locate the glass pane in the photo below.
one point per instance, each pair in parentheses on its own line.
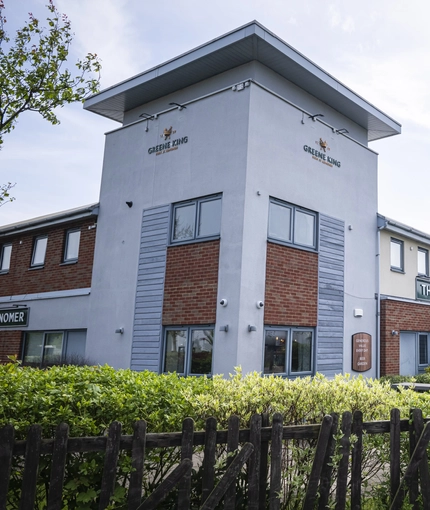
(301,351)
(72,246)
(396,254)
(185,217)
(422,262)
(75,347)
(304,228)
(5,260)
(201,351)
(280,222)
(39,251)
(33,348)
(53,348)
(424,359)
(174,359)
(274,351)
(210,218)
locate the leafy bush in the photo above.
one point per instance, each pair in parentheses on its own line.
(90,398)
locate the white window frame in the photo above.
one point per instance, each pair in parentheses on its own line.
(293,210)
(196,237)
(188,357)
(426,255)
(36,242)
(5,268)
(290,330)
(66,245)
(399,242)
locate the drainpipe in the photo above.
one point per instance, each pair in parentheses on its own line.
(381,223)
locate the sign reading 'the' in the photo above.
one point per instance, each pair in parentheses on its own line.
(361,352)
(12,317)
(422,287)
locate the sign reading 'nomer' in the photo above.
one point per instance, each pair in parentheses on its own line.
(10,317)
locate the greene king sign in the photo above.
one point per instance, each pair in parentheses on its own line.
(12,317)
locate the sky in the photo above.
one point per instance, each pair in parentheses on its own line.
(378,48)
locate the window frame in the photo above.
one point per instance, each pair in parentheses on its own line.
(290,330)
(293,210)
(426,254)
(2,257)
(399,242)
(196,236)
(188,357)
(68,260)
(35,243)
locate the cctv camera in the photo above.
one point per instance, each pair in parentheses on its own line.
(223,302)
(260,304)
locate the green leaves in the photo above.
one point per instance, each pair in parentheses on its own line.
(32,73)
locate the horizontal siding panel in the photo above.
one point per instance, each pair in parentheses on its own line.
(147,330)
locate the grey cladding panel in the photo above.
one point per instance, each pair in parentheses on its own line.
(149,290)
(331,262)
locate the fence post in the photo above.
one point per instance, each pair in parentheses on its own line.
(394,452)
(208,478)
(357,455)
(264,468)
(418,423)
(29,480)
(7,439)
(327,468)
(254,462)
(111,460)
(58,465)
(275,465)
(342,473)
(184,489)
(137,463)
(232,446)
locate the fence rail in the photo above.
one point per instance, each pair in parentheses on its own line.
(259,448)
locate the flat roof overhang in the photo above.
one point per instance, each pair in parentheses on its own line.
(243,45)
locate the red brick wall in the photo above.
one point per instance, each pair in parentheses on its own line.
(291,286)
(190,292)
(10,344)
(53,276)
(399,316)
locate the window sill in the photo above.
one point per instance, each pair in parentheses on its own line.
(397,270)
(34,268)
(4,272)
(194,241)
(69,262)
(291,245)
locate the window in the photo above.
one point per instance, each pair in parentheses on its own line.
(39,251)
(423,262)
(291,224)
(43,348)
(195,220)
(71,248)
(396,251)
(6,252)
(423,349)
(188,350)
(288,351)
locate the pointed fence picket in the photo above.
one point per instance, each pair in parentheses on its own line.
(259,448)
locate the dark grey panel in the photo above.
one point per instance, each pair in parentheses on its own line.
(331,263)
(147,328)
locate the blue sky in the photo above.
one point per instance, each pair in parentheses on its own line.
(378,48)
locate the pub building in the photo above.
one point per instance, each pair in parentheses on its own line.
(237,223)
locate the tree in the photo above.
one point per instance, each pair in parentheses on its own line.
(32,73)
(4,193)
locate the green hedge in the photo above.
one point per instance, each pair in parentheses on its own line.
(90,398)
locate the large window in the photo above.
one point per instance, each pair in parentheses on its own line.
(71,248)
(288,351)
(39,251)
(423,262)
(396,254)
(292,225)
(196,219)
(44,348)
(188,350)
(5,254)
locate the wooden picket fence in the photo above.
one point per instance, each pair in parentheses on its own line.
(260,447)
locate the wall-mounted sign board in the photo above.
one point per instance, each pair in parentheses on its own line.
(361,352)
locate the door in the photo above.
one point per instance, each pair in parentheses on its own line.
(408,354)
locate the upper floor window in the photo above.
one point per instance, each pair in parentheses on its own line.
(196,219)
(188,350)
(288,351)
(396,254)
(292,224)
(71,248)
(39,251)
(423,262)
(6,252)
